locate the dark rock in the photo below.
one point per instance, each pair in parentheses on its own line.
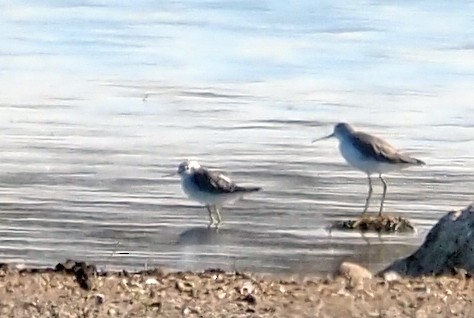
(214,271)
(447,249)
(250,298)
(60,267)
(66,267)
(81,270)
(125,273)
(83,280)
(104,273)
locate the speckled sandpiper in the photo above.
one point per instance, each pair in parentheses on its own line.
(211,188)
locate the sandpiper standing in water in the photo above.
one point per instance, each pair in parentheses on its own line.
(371,155)
(211,188)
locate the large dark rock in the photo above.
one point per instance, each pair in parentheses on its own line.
(81,270)
(448,248)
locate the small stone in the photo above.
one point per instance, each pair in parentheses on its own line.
(354,271)
(461,273)
(99,299)
(184,286)
(111,312)
(124,284)
(221,295)
(392,276)
(422,289)
(69,264)
(186,311)
(151,281)
(247,288)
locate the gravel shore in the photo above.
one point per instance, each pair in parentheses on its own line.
(75,289)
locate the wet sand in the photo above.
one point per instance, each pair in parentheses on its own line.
(78,290)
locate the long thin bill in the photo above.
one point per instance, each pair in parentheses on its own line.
(326,137)
(169,175)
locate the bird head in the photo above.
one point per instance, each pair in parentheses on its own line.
(187,167)
(341,130)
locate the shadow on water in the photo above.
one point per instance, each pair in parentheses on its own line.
(204,235)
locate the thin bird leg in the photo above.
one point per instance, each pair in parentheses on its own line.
(219,219)
(383,195)
(369,195)
(211,217)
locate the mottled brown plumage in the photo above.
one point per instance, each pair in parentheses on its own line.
(375,148)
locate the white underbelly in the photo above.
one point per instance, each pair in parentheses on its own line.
(355,159)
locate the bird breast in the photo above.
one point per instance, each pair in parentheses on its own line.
(355,158)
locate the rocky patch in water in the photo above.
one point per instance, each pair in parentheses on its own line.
(380,224)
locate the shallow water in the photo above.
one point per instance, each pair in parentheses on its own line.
(99,100)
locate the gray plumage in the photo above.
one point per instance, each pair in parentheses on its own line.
(373,147)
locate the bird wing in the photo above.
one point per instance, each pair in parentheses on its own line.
(213,181)
(374,147)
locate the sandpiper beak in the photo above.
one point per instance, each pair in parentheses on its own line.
(169,174)
(327,137)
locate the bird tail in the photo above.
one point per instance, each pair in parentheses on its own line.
(419,162)
(247,189)
(413,161)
